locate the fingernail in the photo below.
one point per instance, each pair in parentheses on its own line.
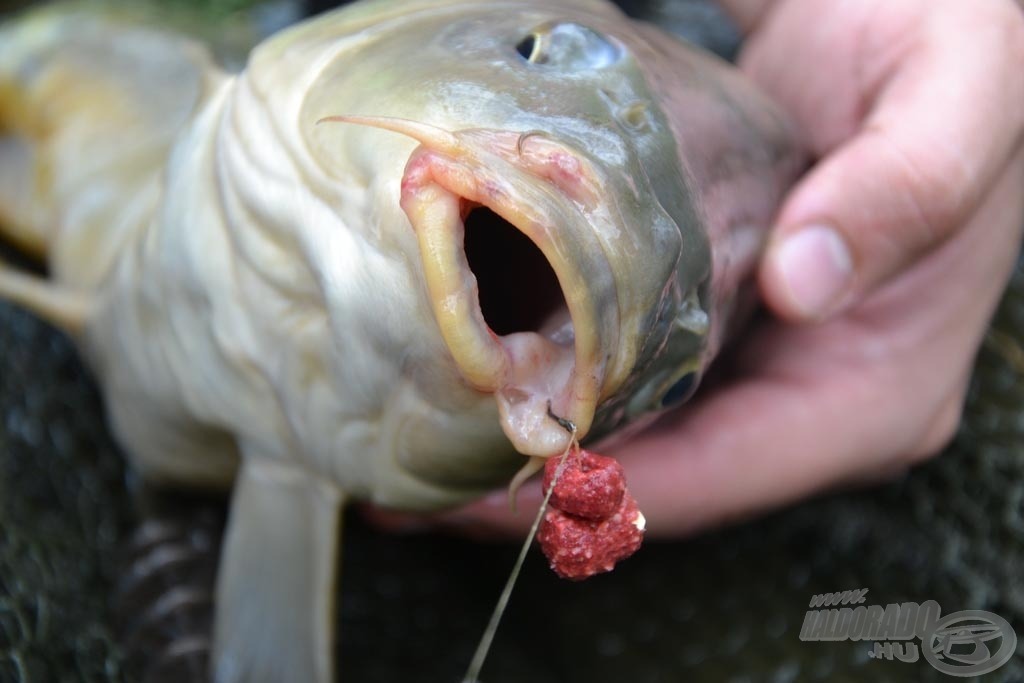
(816,268)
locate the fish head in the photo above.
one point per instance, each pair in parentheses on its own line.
(522,158)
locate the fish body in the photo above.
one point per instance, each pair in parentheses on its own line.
(270,271)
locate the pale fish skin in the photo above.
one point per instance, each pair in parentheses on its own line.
(272,290)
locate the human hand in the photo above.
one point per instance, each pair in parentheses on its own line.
(883,270)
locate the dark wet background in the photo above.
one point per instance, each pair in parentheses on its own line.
(100,584)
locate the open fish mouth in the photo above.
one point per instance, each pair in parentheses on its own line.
(517,277)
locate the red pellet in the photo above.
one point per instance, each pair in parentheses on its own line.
(590,486)
(579,548)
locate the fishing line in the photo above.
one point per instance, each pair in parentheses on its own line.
(477,663)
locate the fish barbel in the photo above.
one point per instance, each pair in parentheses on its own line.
(368,266)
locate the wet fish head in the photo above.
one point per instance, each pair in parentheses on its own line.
(516,157)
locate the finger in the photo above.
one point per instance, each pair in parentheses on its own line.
(487,519)
(944,125)
(749,447)
(852,400)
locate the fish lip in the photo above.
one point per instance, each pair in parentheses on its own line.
(528,372)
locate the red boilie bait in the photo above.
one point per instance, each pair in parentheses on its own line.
(593,521)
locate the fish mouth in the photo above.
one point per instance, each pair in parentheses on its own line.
(517,277)
(512,305)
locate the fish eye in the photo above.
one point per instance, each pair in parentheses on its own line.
(569,46)
(680,391)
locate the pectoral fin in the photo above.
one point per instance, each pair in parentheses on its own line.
(60,306)
(275,588)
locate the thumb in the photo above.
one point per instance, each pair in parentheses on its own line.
(941,130)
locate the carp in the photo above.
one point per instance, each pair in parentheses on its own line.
(375,262)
